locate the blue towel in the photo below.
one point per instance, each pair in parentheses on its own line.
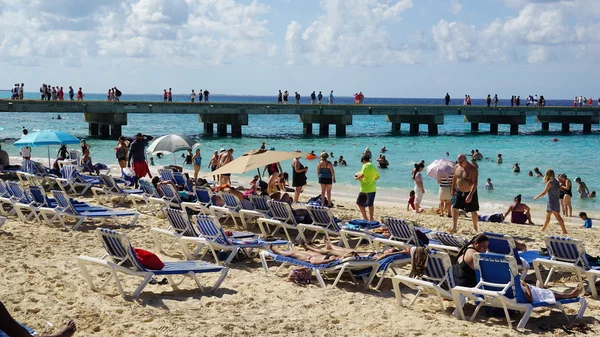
(364,223)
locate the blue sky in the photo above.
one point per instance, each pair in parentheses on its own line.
(386,48)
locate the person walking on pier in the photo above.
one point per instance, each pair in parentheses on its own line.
(80,94)
(447,99)
(192,96)
(331,98)
(464,191)
(43,91)
(285,97)
(170,96)
(165,95)
(23,85)
(313,97)
(206,93)
(488,100)
(297,98)
(71,93)
(279,97)
(518,101)
(512,101)
(320,98)
(495,100)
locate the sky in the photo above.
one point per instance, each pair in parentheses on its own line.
(384,48)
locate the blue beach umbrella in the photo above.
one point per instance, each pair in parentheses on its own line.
(46,138)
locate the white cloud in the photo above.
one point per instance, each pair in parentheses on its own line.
(350,32)
(455,6)
(169,31)
(542,30)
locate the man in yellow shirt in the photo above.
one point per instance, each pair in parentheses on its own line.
(367,176)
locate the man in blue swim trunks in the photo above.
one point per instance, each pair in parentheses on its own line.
(367,176)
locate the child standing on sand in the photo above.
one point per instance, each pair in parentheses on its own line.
(411,200)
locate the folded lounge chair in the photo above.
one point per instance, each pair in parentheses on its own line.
(569,255)
(448,243)
(500,286)
(66,210)
(120,258)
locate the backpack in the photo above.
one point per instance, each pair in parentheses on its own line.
(118,93)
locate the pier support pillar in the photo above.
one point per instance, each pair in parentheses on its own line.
(104,131)
(396,127)
(324,129)
(587,128)
(494,129)
(236,130)
(474,126)
(208,128)
(340,130)
(115,131)
(414,129)
(514,129)
(565,127)
(93,129)
(307,128)
(545,126)
(433,129)
(221,130)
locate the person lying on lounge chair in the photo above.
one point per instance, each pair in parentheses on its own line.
(342,252)
(9,326)
(535,294)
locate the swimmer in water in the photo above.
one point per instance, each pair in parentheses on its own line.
(58,117)
(530,174)
(516,168)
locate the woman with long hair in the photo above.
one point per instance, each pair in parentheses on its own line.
(566,189)
(464,268)
(419,189)
(553,205)
(121,152)
(326,176)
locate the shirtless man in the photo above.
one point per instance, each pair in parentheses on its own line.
(224,158)
(464,190)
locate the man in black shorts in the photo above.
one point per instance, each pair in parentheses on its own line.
(464,190)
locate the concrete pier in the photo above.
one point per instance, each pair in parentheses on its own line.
(106,119)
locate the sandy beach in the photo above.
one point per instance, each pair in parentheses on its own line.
(42,283)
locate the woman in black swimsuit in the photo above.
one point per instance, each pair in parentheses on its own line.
(566,194)
(464,269)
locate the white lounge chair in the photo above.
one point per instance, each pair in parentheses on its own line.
(323,223)
(112,189)
(500,286)
(120,258)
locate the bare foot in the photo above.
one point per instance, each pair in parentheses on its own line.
(67,331)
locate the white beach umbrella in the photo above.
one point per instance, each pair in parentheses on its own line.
(440,168)
(170,144)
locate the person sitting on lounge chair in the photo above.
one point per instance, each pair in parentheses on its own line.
(86,162)
(12,328)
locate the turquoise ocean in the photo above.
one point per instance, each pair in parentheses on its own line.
(574,154)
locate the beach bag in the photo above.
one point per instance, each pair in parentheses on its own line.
(316,201)
(129,176)
(498,217)
(300,276)
(148,259)
(118,93)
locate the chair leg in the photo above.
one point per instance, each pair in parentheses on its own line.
(583,306)
(139,289)
(397,292)
(320,278)
(233,253)
(220,280)
(523,320)
(339,275)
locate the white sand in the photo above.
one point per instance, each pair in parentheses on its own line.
(41,282)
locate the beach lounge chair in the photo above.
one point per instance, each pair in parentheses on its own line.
(72,179)
(499,286)
(282,217)
(231,210)
(22,202)
(437,280)
(166,175)
(448,243)
(216,239)
(180,227)
(402,233)
(170,196)
(2,220)
(505,245)
(260,209)
(149,200)
(360,233)
(359,266)
(568,255)
(323,223)
(47,205)
(6,203)
(181,180)
(111,189)
(120,258)
(66,210)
